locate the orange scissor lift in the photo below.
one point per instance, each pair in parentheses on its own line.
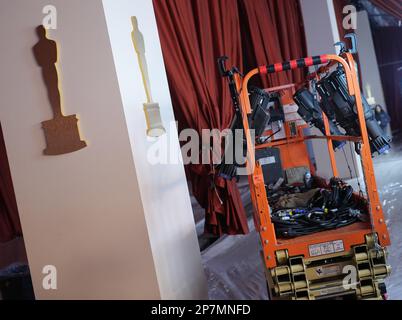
(345,262)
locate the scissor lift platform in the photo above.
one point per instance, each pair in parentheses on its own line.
(345,262)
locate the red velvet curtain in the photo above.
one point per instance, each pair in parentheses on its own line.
(273,32)
(9,220)
(193,35)
(388,45)
(392,7)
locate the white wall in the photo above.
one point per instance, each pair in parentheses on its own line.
(368,60)
(164,189)
(321,34)
(92,213)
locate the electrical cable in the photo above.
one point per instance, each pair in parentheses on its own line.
(307,221)
(263,139)
(347,162)
(327,209)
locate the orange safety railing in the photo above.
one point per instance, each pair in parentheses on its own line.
(350,235)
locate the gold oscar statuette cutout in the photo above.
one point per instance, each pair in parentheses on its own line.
(151,109)
(61,133)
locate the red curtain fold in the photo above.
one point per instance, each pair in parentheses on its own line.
(392,7)
(276,33)
(10,226)
(193,35)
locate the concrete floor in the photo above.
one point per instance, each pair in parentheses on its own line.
(388,171)
(233,265)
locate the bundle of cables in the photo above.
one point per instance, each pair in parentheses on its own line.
(328,209)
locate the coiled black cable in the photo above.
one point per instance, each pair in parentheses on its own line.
(328,209)
(292,223)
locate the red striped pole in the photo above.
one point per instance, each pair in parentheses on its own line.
(294,64)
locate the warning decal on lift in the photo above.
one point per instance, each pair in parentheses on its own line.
(267,160)
(326,248)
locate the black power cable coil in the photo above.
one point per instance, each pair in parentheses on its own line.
(328,209)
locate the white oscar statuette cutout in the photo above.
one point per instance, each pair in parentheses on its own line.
(151,108)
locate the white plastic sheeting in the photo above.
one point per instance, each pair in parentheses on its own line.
(234,267)
(233,264)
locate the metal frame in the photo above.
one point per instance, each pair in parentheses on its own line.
(351,235)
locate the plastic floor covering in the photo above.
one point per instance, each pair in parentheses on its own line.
(234,268)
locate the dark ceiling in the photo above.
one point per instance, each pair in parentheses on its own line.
(378,18)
